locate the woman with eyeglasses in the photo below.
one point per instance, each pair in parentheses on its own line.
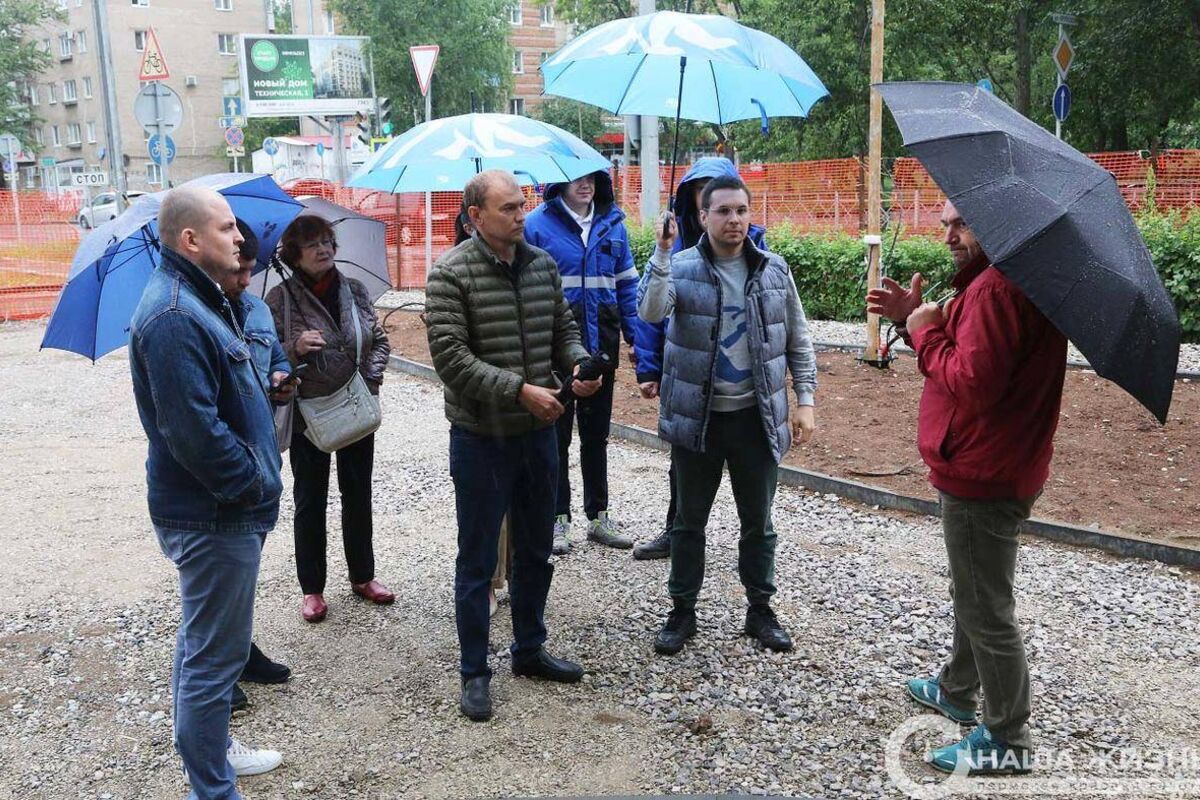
(315,311)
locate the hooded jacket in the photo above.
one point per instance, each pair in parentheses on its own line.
(650,336)
(599,280)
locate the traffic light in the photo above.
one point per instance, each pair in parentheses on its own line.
(363,123)
(384,115)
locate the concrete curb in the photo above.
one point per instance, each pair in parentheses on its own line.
(1116,543)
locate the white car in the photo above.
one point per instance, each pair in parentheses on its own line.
(103,208)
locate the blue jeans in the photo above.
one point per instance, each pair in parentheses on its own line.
(217,573)
(492,476)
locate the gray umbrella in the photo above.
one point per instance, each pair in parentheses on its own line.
(1054,222)
(361,253)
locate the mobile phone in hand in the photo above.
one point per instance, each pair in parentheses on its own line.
(290,380)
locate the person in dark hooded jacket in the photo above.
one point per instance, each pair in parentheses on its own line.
(650,336)
(582,227)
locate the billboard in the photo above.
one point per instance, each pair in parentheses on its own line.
(286,76)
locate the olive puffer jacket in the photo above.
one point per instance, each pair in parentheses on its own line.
(493,328)
(331,367)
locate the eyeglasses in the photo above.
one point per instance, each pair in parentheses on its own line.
(327,243)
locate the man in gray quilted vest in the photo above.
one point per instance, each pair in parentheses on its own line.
(737,326)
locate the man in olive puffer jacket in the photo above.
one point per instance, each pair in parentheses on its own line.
(498,328)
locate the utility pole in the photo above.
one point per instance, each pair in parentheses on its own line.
(873,238)
(648,151)
(429,195)
(108,83)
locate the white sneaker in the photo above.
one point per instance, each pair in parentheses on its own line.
(251,762)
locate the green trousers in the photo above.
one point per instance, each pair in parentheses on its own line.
(735,439)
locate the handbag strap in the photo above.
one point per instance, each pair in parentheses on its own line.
(357,331)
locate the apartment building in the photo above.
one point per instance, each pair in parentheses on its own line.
(534,35)
(198,39)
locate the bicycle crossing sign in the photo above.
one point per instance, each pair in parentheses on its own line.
(154,65)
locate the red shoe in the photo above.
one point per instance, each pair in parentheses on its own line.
(314,608)
(374,591)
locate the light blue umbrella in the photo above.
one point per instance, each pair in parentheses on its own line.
(443,154)
(114,262)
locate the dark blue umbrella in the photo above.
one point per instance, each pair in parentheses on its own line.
(1054,222)
(114,262)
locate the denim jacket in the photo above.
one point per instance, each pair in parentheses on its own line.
(213,465)
(259,327)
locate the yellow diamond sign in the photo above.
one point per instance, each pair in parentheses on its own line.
(1063,55)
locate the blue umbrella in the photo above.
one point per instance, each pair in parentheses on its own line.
(114,262)
(443,154)
(687,66)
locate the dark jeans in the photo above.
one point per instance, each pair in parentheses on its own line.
(735,439)
(988,650)
(493,476)
(595,415)
(310,469)
(671,506)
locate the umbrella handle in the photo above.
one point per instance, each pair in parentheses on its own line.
(675,147)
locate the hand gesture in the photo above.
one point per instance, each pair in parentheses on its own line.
(585,388)
(666,222)
(282,393)
(926,314)
(894,301)
(540,402)
(309,342)
(803,421)
(649,390)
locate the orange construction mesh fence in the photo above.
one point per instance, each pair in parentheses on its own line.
(39,235)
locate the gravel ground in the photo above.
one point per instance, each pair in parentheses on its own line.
(91,607)
(838,333)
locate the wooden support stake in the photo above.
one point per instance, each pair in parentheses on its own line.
(874,178)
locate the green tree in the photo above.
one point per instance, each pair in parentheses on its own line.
(583,120)
(21,59)
(473,67)
(261,128)
(283,10)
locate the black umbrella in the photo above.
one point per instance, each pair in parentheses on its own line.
(1055,223)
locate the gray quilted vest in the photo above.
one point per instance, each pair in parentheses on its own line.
(690,353)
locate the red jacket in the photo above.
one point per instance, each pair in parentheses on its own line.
(994,378)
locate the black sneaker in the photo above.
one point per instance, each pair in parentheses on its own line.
(658,547)
(679,627)
(476,701)
(260,669)
(763,626)
(239,700)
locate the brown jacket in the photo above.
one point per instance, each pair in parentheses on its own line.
(332,366)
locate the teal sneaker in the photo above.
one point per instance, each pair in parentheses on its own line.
(982,754)
(929,694)
(602,531)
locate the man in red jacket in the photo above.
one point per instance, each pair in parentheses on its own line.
(994,368)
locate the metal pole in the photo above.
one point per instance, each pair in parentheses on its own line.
(13,181)
(874,187)
(429,195)
(1057,121)
(108,85)
(162,136)
(651,182)
(312,26)
(339,151)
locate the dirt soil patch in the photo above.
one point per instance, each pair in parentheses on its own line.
(1114,466)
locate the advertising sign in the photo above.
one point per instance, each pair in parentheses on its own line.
(300,75)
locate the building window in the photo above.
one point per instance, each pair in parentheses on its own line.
(545,57)
(153,173)
(62,4)
(39,137)
(329,31)
(139,40)
(514,13)
(91,132)
(64,47)
(54,137)
(140,3)
(46,45)
(230,87)
(53,93)
(226,44)
(518,63)
(223,5)
(33,94)
(81,40)
(546,15)
(517,106)
(70,94)
(73,134)
(87,87)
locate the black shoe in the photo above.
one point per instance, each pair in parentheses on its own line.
(476,701)
(239,700)
(679,627)
(763,626)
(658,547)
(547,667)
(260,669)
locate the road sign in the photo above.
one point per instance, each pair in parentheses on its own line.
(986,85)
(424,57)
(153,66)
(157,151)
(233,107)
(48,161)
(235,152)
(320,149)
(89,179)
(8,166)
(234,137)
(232,122)
(1063,55)
(270,146)
(1062,102)
(168,103)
